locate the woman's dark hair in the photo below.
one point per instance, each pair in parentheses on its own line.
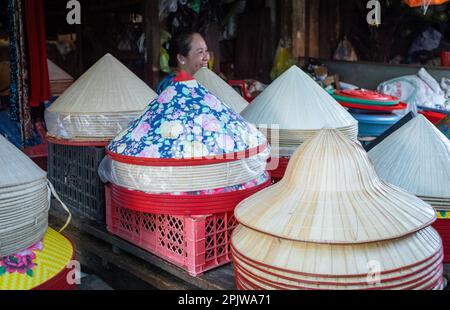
(180,44)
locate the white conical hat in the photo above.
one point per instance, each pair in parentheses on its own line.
(296,102)
(107,87)
(416,158)
(55,73)
(219,88)
(15,167)
(331,194)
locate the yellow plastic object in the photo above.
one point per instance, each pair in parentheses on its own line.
(56,254)
(283,61)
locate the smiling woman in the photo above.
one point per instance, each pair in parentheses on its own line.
(188,52)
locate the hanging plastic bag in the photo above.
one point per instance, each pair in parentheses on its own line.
(416,90)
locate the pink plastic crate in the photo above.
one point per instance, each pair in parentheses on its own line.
(194,243)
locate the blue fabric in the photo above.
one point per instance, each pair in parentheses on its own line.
(186,121)
(11,130)
(166,82)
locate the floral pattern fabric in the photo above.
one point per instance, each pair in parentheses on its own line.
(22,262)
(184,122)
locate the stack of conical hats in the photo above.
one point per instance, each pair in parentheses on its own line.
(219,88)
(416,158)
(186,141)
(301,108)
(59,79)
(331,223)
(24,200)
(100,104)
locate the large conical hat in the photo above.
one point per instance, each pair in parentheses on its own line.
(219,88)
(16,168)
(100,104)
(296,102)
(399,262)
(187,122)
(107,87)
(416,158)
(332,194)
(186,140)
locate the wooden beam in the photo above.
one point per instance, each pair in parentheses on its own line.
(313,28)
(299,28)
(152,42)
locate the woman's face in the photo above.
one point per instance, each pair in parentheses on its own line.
(198,56)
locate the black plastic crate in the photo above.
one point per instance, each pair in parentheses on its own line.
(73,172)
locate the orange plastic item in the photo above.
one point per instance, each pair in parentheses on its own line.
(416,3)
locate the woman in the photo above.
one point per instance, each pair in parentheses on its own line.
(188,52)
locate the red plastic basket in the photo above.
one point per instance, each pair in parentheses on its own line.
(443,228)
(278,173)
(181,204)
(195,243)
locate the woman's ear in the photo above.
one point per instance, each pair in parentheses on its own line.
(181,59)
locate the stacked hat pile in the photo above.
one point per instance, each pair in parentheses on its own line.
(59,79)
(100,104)
(416,158)
(186,142)
(331,223)
(300,107)
(222,90)
(374,111)
(24,200)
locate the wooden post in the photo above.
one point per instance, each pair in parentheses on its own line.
(152,42)
(305,28)
(299,28)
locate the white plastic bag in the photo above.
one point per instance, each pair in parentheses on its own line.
(415,90)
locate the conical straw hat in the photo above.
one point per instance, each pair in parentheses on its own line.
(24,200)
(107,87)
(295,101)
(397,259)
(187,122)
(331,194)
(416,158)
(16,168)
(404,276)
(55,73)
(420,279)
(219,88)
